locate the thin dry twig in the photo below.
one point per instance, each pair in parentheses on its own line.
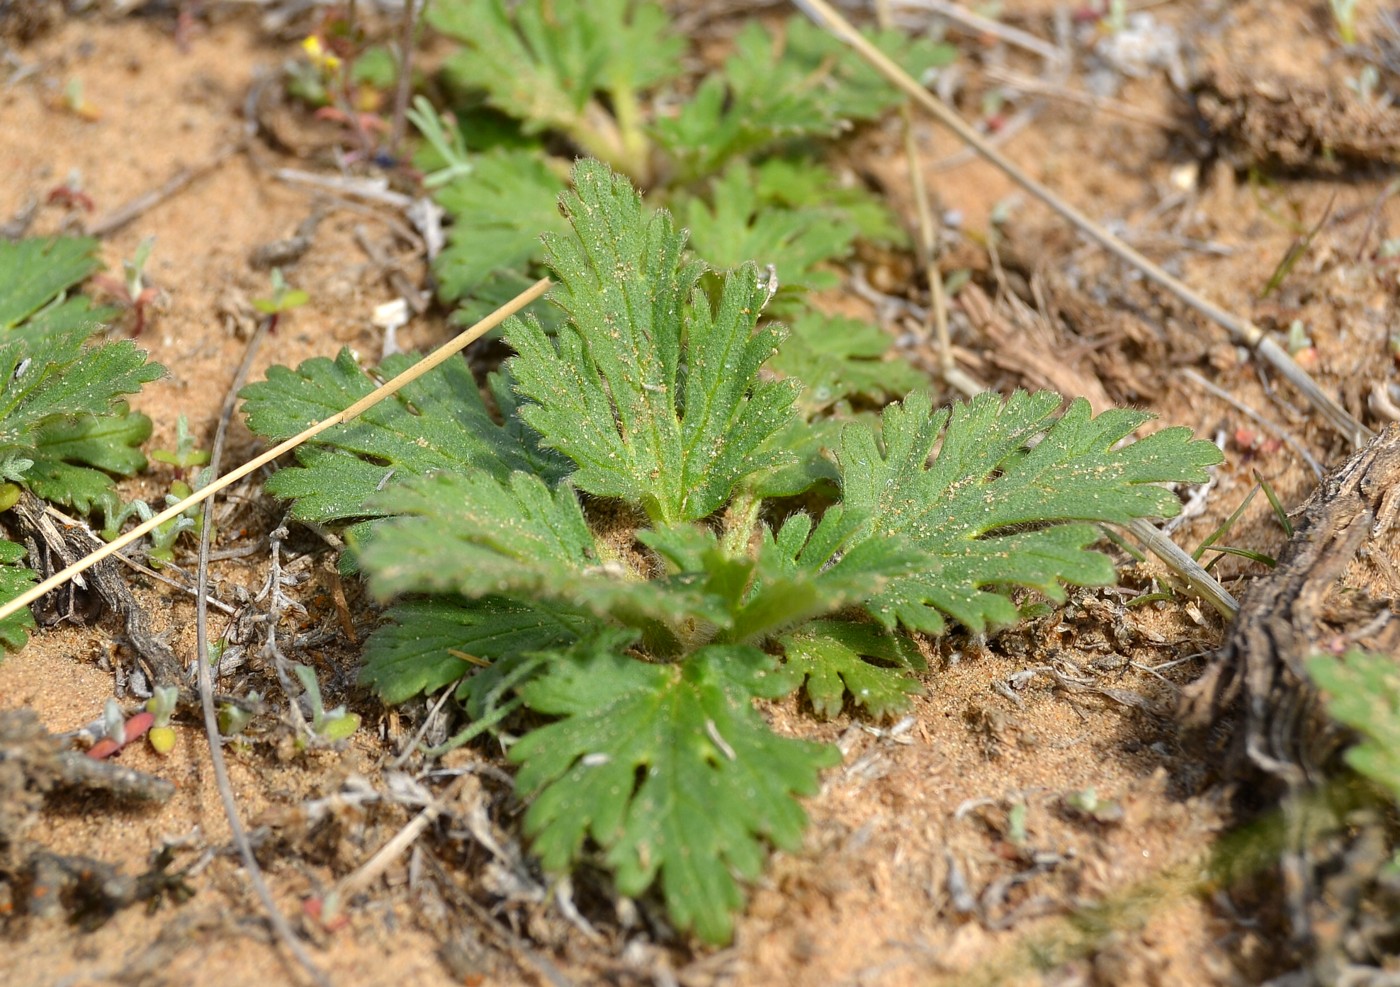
(936,322)
(360,878)
(404,89)
(1255,417)
(1103,104)
(135,566)
(388,389)
(1241,329)
(280,926)
(1198,580)
(974,21)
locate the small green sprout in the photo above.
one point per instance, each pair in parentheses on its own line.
(327,725)
(1344,17)
(284,298)
(445,138)
(1016,833)
(186,454)
(1365,83)
(132,291)
(1088,804)
(163,538)
(1298,338)
(233,718)
(161,706)
(78,104)
(12,470)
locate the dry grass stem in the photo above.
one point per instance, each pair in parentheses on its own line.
(1241,329)
(388,389)
(281,928)
(936,320)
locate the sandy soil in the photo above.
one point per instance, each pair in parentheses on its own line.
(946,849)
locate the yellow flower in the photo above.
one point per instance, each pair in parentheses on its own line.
(318,54)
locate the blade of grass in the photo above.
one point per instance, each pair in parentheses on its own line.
(1225,526)
(388,389)
(1274,502)
(1245,553)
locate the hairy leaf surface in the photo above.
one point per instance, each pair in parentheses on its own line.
(840,359)
(648,388)
(1363,692)
(801,83)
(14,580)
(833,656)
(498,212)
(413,653)
(742,220)
(73,458)
(669,770)
(438,422)
(993,509)
(35,273)
(64,427)
(552,65)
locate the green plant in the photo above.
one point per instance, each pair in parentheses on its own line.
(161,706)
(328,725)
(185,456)
(736,159)
(1344,17)
(131,291)
(63,426)
(620,552)
(1363,692)
(283,299)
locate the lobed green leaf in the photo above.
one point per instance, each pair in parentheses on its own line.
(498,212)
(551,66)
(1363,692)
(438,422)
(841,359)
(833,657)
(14,580)
(669,770)
(412,653)
(652,392)
(35,273)
(781,87)
(1003,466)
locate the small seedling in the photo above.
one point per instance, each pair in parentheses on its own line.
(161,706)
(283,299)
(233,718)
(70,195)
(327,725)
(1088,804)
(445,138)
(163,538)
(185,454)
(118,730)
(1209,544)
(1344,18)
(132,291)
(76,103)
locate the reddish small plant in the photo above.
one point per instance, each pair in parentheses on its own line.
(132,291)
(131,730)
(70,197)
